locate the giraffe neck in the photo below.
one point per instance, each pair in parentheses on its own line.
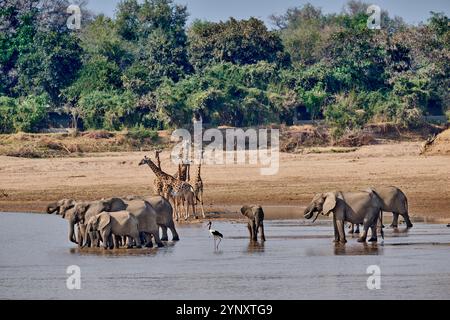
(158,161)
(158,172)
(199,168)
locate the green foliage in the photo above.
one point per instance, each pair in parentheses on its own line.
(107,110)
(239,42)
(223,94)
(31,113)
(143,69)
(7,108)
(140,133)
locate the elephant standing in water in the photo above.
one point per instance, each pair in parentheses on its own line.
(67,209)
(255,216)
(355,207)
(64,208)
(164,215)
(392,200)
(113,224)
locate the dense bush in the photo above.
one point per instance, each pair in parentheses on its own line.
(7,108)
(140,133)
(26,115)
(145,69)
(107,110)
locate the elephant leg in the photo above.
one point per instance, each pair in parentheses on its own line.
(254,232)
(148,240)
(250,233)
(352,228)
(82,230)
(155,234)
(111,241)
(164,237)
(341,230)
(394,223)
(357,229)
(137,239)
(407,220)
(130,242)
(116,242)
(263,237)
(373,237)
(366,226)
(105,237)
(79,236)
(174,232)
(336,232)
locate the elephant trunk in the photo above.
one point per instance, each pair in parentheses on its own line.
(52,208)
(87,234)
(72,233)
(309,211)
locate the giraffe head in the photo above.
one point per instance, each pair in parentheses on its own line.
(144,161)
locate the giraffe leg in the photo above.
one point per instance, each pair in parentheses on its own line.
(192,204)
(201,204)
(186,208)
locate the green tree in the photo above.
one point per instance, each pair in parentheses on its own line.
(236,41)
(31,113)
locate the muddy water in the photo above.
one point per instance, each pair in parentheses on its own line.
(297,262)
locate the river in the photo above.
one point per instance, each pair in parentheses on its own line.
(298,261)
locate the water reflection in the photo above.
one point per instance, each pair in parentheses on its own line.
(299,261)
(114,252)
(360,249)
(255,247)
(100,251)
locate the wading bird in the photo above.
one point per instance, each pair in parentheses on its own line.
(216,235)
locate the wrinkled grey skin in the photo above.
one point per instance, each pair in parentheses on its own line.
(164,215)
(146,216)
(255,216)
(83,211)
(393,200)
(355,207)
(64,208)
(113,224)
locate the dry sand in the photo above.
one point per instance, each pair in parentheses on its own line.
(27,185)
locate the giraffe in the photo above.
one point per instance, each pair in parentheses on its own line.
(157,184)
(197,183)
(184,168)
(179,190)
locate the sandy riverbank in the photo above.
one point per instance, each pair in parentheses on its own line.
(27,185)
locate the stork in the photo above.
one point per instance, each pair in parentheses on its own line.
(216,235)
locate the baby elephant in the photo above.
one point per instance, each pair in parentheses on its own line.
(120,223)
(255,216)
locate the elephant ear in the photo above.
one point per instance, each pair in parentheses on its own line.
(105,219)
(80,211)
(245,210)
(329,204)
(113,204)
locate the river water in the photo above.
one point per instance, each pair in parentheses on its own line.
(298,261)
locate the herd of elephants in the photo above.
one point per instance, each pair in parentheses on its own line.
(136,221)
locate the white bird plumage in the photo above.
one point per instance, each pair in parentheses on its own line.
(216,235)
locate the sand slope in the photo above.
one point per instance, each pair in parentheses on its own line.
(28,184)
